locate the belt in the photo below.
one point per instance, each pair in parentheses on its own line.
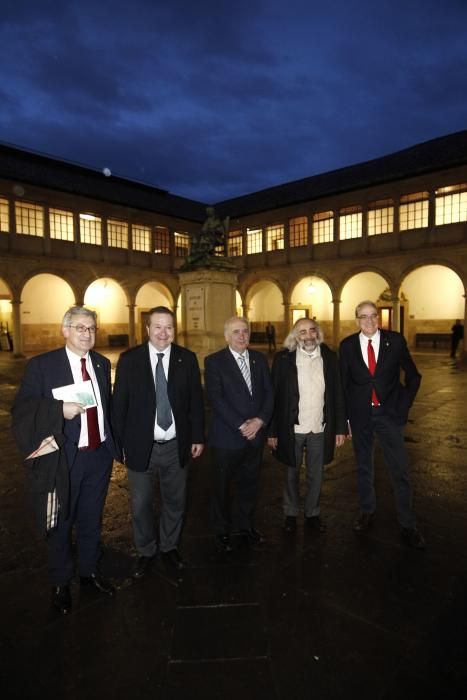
(163,442)
(89,449)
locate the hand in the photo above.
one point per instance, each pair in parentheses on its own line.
(250,428)
(197,450)
(71,409)
(272,443)
(340,439)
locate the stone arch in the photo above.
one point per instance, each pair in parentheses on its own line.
(45,297)
(265,302)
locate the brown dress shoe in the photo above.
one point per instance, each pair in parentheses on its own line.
(363,522)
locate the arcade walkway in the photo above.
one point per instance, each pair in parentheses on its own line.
(310,617)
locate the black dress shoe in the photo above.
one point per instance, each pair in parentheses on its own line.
(363,522)
(413,538)
(290,524)
(98,583)
(253,536)
(61,599)
(173,558)
(141,566)
(314,522)
(223,543)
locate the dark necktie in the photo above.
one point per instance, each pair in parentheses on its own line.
(372,368)
(94,438)
(164,412)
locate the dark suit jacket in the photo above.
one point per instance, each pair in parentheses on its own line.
(286,401)
(36,415)
(230,400)
(357,382)
(134,404)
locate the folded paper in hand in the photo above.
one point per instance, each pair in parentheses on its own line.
(81,392)
(47,446)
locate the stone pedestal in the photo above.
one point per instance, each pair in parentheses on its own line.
(207,300)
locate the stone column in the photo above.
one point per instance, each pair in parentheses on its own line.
(336,322)
(464,342)
(396,313)
(17,330)
(131,325)
(207,300)
(286,305)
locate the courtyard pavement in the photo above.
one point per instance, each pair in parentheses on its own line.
(304,617)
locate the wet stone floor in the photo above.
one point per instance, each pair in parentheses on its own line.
(303,617)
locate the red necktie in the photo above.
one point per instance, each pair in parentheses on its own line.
(94,438)
(372,368)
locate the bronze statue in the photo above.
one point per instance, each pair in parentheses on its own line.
(212,235)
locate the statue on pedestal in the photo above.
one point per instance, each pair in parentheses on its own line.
(212,235)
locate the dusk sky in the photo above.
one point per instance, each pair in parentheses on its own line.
(212,99)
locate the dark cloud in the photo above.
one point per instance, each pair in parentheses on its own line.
(216,99)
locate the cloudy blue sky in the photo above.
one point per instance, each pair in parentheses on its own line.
(213,99)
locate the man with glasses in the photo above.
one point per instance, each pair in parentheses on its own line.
(69,451)
(378,405)
(309,418)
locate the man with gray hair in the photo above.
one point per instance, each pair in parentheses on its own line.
(69,450)
(309,417)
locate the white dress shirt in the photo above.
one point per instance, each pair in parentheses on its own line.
(160,433)
(75,364)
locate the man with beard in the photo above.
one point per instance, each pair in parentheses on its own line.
(309,417)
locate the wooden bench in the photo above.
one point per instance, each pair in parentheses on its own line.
(433,339)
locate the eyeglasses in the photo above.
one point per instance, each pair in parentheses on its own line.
(368,317)
(84,329)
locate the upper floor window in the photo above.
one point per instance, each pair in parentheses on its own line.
(29,219)
(61,224)
(323,227)
(182,244)
(298,231)
(380,217)
(4,215)
(451,204)
(90,229)
(117,234)
(413,211)
(235,244)
(254,240)
(350,223)
(141,236)
(161,241)
(275,237)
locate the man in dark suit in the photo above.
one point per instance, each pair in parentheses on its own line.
(239,389)
(68,481)
(309,417)
(159,423)
(378,404)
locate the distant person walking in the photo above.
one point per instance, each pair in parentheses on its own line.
(271,337)
(457,334)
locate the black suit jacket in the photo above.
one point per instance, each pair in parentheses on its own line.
(134,404)
(395,398)
(230,400)
(286,402)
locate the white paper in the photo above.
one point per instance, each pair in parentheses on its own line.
(47,446)
(82,393)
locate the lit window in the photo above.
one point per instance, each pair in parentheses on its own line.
(90,229)
(350,223)
(182,244)
(61,224)
(4,215)
(298,231)
(117,234)
(29,219)
(141,238)
(323,227)
(413,211)
(254,240)
(161,241)
(275,237)
(451,204)
(380,217)
(235,244)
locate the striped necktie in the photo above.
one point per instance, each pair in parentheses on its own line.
(245,370)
